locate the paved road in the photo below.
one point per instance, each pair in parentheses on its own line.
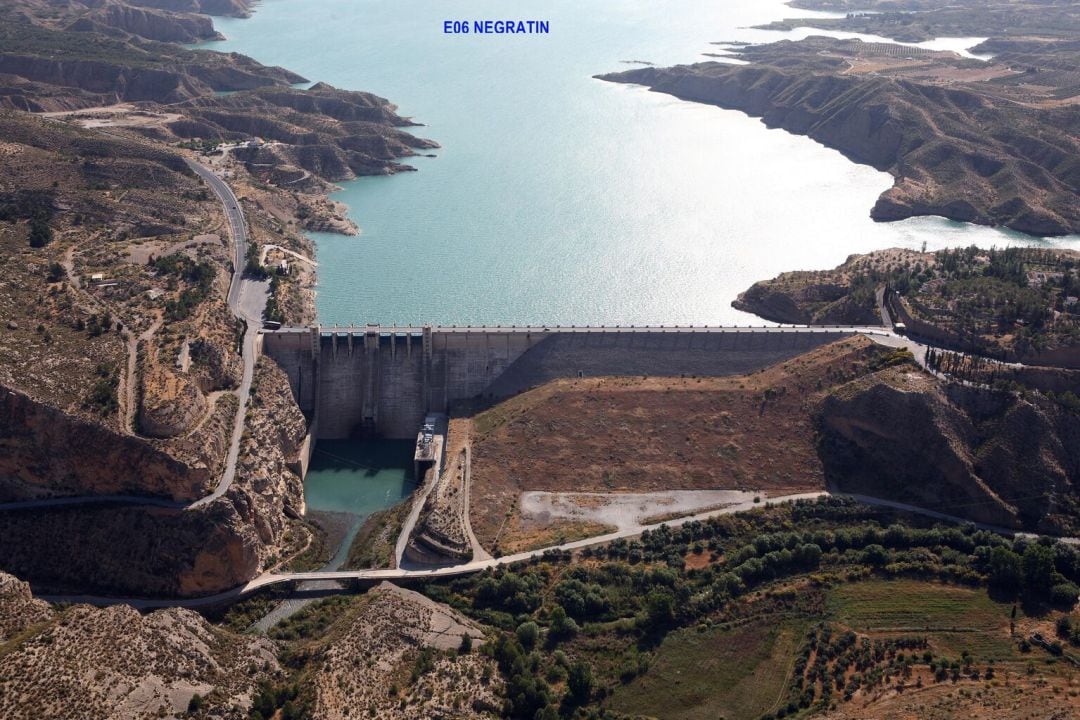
(246,301)
(475,566)
(237,226)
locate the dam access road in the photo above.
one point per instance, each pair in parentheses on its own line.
(406,575)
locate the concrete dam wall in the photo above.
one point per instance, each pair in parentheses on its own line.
(382,380)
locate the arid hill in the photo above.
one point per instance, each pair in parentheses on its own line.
(116,664)
(987,143)
(115,316)
(995,456)
(119,356)
(920,20)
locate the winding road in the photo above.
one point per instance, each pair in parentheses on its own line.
(246,300)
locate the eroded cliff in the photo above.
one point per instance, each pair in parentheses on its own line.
(131,549)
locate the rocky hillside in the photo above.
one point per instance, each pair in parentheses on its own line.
(325,132)
(80,215)
(116,664)
(395,626)
(19,611)
(1015,304)
(139,550)
(921,20)
(993,456)
(842,296)
(970,143)
(119,356)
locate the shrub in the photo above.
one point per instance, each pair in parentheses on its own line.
(1064,594)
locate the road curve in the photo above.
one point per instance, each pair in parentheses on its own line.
(475,566)
(399,574)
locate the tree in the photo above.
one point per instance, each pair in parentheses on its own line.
(40,233)
(579,683)
(527,634)
(660,608)
(1004,569)
(466,644)
(562,625)
(1038,565)
(875,555)
(1064,594)
(195,704)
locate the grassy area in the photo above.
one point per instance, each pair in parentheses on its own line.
(374,544)
(316,555)
(717,673)
(952,618)
(241,615)
(313,620)
(557,532)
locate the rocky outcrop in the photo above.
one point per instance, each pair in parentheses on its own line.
(47,452)
(116,664)
(234,8)
(18,608)
(809,303)
(393,625)
(169,404)
(331,134)
(953,151)
(104,60)
(140,550)
(989,456)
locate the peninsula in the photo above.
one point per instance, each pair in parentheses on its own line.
(983,141)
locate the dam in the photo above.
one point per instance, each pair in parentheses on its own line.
(382,381)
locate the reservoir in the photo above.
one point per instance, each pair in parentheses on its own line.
(558,198)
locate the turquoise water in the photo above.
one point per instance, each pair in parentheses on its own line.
(557,198)
(358,478)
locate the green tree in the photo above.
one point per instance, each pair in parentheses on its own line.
(562,625)
(527,634)
(579,683)
(195,704)
(1004,569)
(40,233)
(1038,563)
(660,608)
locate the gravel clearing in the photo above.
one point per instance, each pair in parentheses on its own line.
(624,510)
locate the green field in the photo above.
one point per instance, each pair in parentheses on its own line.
(729,674)
(744,672)
(953,618)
